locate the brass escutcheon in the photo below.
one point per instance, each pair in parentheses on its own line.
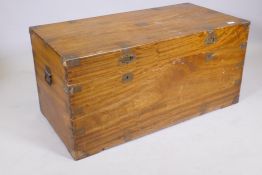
(127,77)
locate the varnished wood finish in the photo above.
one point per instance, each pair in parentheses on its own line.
(176,73)
(53,101)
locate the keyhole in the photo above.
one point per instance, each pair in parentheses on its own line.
(127,77)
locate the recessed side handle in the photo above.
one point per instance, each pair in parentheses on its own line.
(48,76)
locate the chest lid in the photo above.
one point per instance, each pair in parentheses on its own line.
(92,36)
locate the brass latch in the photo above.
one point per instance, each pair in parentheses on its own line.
(127,58)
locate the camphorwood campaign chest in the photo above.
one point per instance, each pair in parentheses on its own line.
(107,80)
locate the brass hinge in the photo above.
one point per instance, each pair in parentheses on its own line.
(211,37)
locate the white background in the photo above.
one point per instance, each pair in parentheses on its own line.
(227,141)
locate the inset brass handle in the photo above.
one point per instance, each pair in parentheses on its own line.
(48,75)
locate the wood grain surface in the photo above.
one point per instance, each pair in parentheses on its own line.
(185,61)
(53,101)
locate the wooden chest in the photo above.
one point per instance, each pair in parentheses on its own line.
(107,80)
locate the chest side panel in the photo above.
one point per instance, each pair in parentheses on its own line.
(169,82)
(50,77)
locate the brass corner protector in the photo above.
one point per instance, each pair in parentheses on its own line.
(70,61)
(72,89)
(76,111)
